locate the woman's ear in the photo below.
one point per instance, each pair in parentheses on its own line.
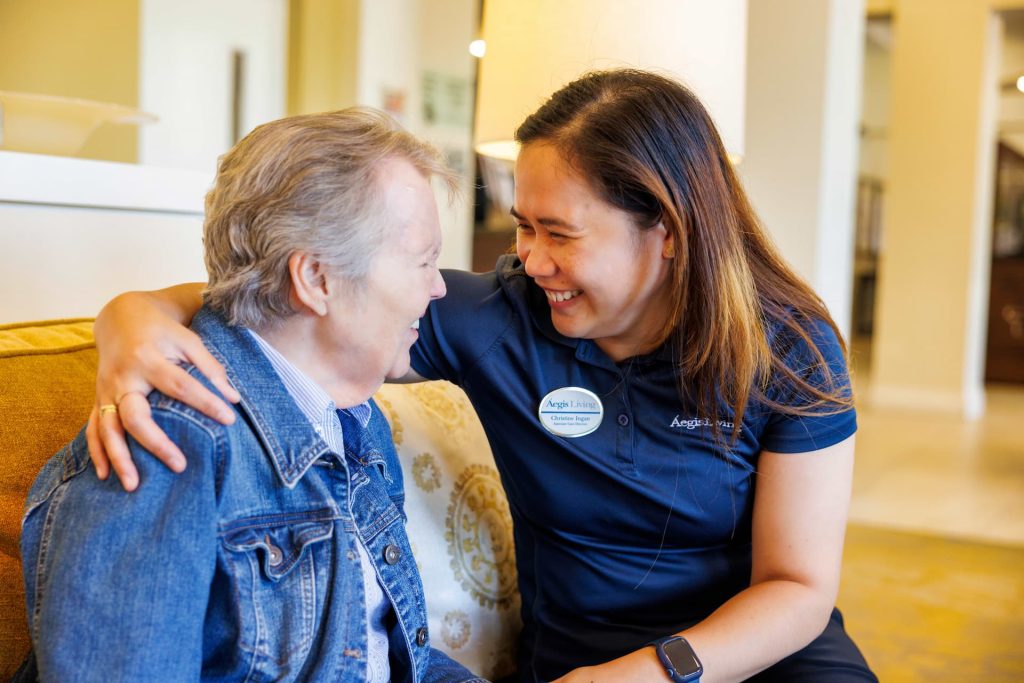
(309,283)
(668,246)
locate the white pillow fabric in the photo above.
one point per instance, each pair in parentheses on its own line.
(459,524)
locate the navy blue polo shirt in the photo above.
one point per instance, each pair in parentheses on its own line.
(636,530)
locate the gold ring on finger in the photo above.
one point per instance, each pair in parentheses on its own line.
(107,408)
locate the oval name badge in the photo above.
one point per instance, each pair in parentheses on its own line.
(571,411)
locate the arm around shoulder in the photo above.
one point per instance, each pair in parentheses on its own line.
(141,341)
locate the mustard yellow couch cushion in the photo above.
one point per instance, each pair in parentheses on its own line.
(47,375)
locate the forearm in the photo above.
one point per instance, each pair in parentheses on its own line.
(755,629)
(758,627)
(178,302)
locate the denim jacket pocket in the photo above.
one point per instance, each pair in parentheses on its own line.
(275,561)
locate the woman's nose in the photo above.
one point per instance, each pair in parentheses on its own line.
(536,260)
(437,288)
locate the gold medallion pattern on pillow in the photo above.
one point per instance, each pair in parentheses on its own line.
(425,472)
(447,405)
(389,412)
(478,529)
(456,629)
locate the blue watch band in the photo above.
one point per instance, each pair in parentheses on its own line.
(680,661)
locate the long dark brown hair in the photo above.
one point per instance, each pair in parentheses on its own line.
(646,145)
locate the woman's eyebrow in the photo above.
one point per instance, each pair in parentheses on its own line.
(557,222)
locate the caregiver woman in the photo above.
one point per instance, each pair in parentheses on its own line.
(696,529)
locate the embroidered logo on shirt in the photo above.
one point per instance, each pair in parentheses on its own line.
(691,423)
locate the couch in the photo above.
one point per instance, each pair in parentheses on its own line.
(459,522)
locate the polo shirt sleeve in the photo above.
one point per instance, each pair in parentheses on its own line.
(826,425)
(459,328)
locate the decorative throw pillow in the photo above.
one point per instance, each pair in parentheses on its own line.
(459,524)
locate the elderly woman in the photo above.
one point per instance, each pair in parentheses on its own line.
(281,553)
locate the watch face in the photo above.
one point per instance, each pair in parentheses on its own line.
(681,655)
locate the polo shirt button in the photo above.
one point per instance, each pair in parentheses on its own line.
(623,420)
(392,554)
(421,636)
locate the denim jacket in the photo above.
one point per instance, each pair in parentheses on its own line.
(244,567)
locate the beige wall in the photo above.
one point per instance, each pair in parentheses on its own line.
(76,49)
(323,43)
(803,102)
(875,8)
(933,275)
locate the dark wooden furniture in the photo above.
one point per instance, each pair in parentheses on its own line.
(1005,356)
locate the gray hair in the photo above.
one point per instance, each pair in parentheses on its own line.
(303,183)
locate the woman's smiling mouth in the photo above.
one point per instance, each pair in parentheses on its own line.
(559,296)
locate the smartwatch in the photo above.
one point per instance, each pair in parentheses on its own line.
(678,658)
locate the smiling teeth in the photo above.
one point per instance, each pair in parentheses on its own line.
(416,325)
(563,296)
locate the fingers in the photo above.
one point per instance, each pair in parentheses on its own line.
(140,347)
(175,382)
(111,434)
(136,417)
(204,361)
(97,453)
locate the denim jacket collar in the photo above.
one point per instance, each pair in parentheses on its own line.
(284,430)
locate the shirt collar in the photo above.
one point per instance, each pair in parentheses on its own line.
(284,430)
(311,399)
(315,403)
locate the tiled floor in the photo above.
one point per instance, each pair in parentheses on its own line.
(923,605)
(923,608)
(942,475)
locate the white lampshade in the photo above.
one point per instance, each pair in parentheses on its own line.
(536,46)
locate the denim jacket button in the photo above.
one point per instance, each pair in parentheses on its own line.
(421,636)
(392,554)
(275,552)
